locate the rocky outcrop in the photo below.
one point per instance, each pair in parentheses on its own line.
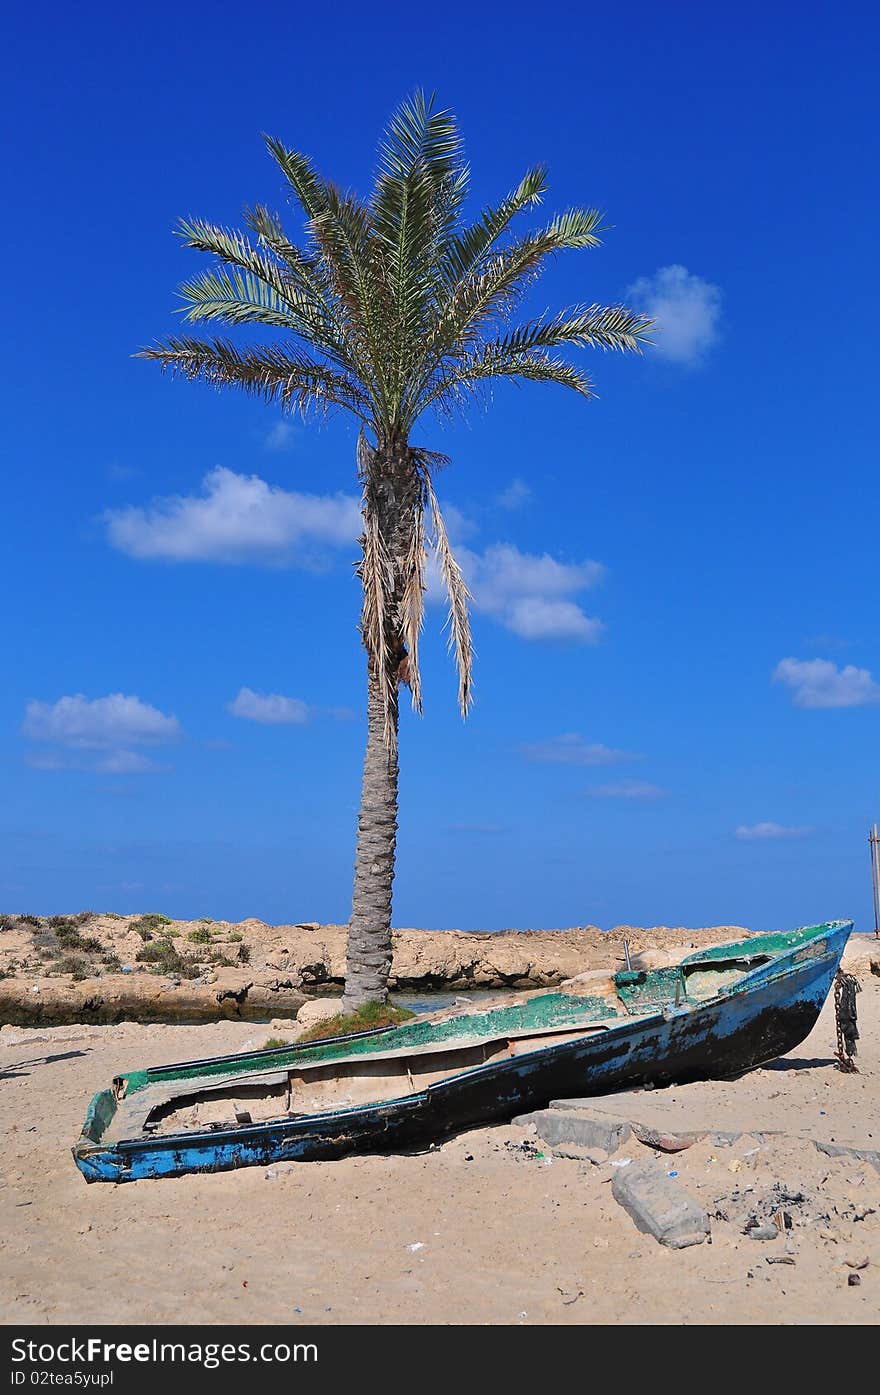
(146,998)
(111,968)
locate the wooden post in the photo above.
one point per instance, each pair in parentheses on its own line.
(874,845)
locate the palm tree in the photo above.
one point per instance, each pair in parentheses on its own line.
(391,306)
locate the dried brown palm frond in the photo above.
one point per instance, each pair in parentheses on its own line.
(458,596)
(413,605)
(377,578)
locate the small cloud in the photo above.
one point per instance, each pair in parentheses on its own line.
(237,519)
(120,473)
(269,708)
(459,525)
(529,594)
(572,749)
(534,618)
(756,831)
(685,309)
(820,683)
(627,789)
(282,436)
(515,496)
(99,723)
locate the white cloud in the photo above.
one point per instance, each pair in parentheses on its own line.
(515,496)
(572,749)
(757,831)
(686,310)
(280,437)
(820,683)
(95,734)
(627,789)
(528,593)
(99,723)
(269,708)
(237,518)
(458,525)
(273,709)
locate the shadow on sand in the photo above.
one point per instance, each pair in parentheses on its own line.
(25,1067)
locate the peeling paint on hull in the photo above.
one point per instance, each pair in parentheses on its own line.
(771,1014)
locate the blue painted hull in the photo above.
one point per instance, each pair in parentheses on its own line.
(771,1010)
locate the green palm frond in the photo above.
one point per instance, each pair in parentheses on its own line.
(277,373)
(419,191)
(465,250)
(307,186)
(455,387)
(591,326)
(233,248)
(238,297)
(492,292)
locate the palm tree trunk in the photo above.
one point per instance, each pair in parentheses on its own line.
(390,490)
(369,935)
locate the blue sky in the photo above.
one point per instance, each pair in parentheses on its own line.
(679,668)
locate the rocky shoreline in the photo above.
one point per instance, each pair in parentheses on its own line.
(105,968)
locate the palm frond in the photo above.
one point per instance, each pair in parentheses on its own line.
(490,293)
(277,373)
(413,603)
(302,178)
(233,248)
(466,249)
(458,595)
(591,326)
(238,298)
(419,191)
(454,387)
(376,572)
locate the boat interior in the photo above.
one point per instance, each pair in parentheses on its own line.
(332,1074)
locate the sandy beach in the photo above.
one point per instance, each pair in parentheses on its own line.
(489,1227)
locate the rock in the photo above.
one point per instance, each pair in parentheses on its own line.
(856,1261)
(658,958)
(595,1156)
(660,1206)
(840,1150)
(147,997)
(317,1010)
(578,1127)
(663,1139)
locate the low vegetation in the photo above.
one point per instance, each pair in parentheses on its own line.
(366,1019)
(165,958)
(150,924)
(200,937)
(72,964)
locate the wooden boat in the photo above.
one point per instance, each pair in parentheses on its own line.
(718,1012)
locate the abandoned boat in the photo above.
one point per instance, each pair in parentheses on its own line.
(718,1012)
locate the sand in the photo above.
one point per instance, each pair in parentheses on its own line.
(478,1230)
